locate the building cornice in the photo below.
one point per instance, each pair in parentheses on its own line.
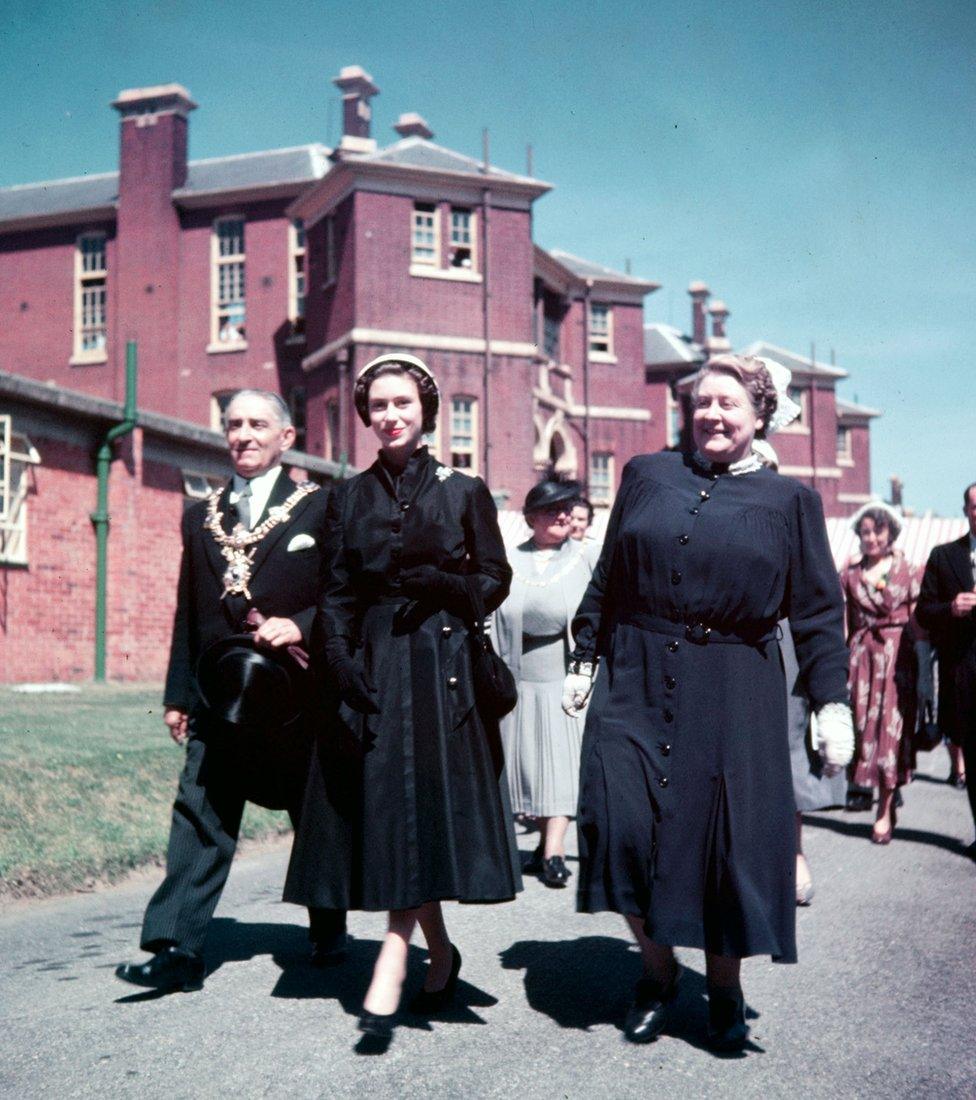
(82,216)
(432,341)
(596,412)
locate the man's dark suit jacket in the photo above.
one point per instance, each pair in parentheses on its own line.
(283,583)
(950,571)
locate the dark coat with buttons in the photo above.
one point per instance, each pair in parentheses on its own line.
(408,805)
(686,799)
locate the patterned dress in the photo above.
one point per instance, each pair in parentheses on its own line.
(882,671)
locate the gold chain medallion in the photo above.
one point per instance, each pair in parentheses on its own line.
(239,547)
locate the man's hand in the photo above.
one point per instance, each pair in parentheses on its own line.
(278,632)
(962,606)
(176,721)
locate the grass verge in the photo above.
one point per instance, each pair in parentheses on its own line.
(86,784)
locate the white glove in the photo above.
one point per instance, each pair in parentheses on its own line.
(576,690)
(833,736)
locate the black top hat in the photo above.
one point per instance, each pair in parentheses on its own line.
(547,493)
(244,684)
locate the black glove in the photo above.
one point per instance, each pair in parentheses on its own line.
(348,678)
(432,585)
(924,682)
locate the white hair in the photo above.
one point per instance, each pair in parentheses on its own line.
(273,400)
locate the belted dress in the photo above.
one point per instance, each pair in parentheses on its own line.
(686,814)
(411,804)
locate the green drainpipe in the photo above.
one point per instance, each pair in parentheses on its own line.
(100,517)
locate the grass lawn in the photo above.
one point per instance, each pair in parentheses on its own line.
(86,784)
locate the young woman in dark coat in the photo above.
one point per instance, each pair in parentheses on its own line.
(406,804)
(686,798)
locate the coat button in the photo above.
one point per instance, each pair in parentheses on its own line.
(665,748)
(670,683)
(663,781)
(669,715)
(452,681)
(404,505)
(683,539)
(675,576)
(447,631)
(693,511)
(704,494)
(673,647)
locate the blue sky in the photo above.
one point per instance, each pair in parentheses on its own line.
(814,163)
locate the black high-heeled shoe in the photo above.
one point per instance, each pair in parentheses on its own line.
(375,1025)
(426,1001)
(728,1031)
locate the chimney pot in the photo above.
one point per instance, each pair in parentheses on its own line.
(411,124)
(699,296)
(357,90)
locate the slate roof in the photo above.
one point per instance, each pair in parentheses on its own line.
(666,344)
(301,164)
(799,364)
(850,408)
(418,152)
(587,269)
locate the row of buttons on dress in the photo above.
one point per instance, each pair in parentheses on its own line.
(671,647)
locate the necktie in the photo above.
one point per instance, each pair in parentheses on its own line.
(244,506)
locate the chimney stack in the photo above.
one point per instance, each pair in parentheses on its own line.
(357,90)
(699,296)
(717,342)
(163,152)
(411,124)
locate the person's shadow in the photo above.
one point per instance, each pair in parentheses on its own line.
(901,833)
(231,941)
(582,983)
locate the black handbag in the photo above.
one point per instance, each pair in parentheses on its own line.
(495,689)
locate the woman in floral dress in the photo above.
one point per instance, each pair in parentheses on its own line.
(881,589)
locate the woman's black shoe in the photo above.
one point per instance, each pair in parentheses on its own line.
(858,801)
(727,1027)
(533,865)
(375,1025)
(429,1001)
(555,872)
(648,1014)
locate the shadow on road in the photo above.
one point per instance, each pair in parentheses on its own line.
(584,982)
(859,829)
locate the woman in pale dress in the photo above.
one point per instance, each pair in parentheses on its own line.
(542,743)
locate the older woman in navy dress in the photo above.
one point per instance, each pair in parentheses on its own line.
(686,802)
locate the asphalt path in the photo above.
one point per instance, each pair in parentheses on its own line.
(882,1003)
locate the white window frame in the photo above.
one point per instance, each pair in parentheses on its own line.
(600,338)
(17,454)
(218,260)
(470,447)
(468,239)
(601,478)
(219,400)
(419,213)
(672,413)
(333,429)
(845,456)
(198,486)
(297,276)
(90,280)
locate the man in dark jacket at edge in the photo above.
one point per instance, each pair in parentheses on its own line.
(257,544)
(947,609)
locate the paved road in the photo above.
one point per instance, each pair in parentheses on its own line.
(883,1002)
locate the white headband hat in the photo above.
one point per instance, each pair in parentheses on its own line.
(766,452)
(787,410)
(403,358)
(878,505)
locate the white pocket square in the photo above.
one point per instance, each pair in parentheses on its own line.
(301,542)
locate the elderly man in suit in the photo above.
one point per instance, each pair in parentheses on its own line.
(256,545)
(947,609)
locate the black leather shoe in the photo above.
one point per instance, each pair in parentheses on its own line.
(331,951)
(858,801)
(555,872)
(169,970)
(377,1026)
(727,1027)
(425,1002)
(648,1014)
